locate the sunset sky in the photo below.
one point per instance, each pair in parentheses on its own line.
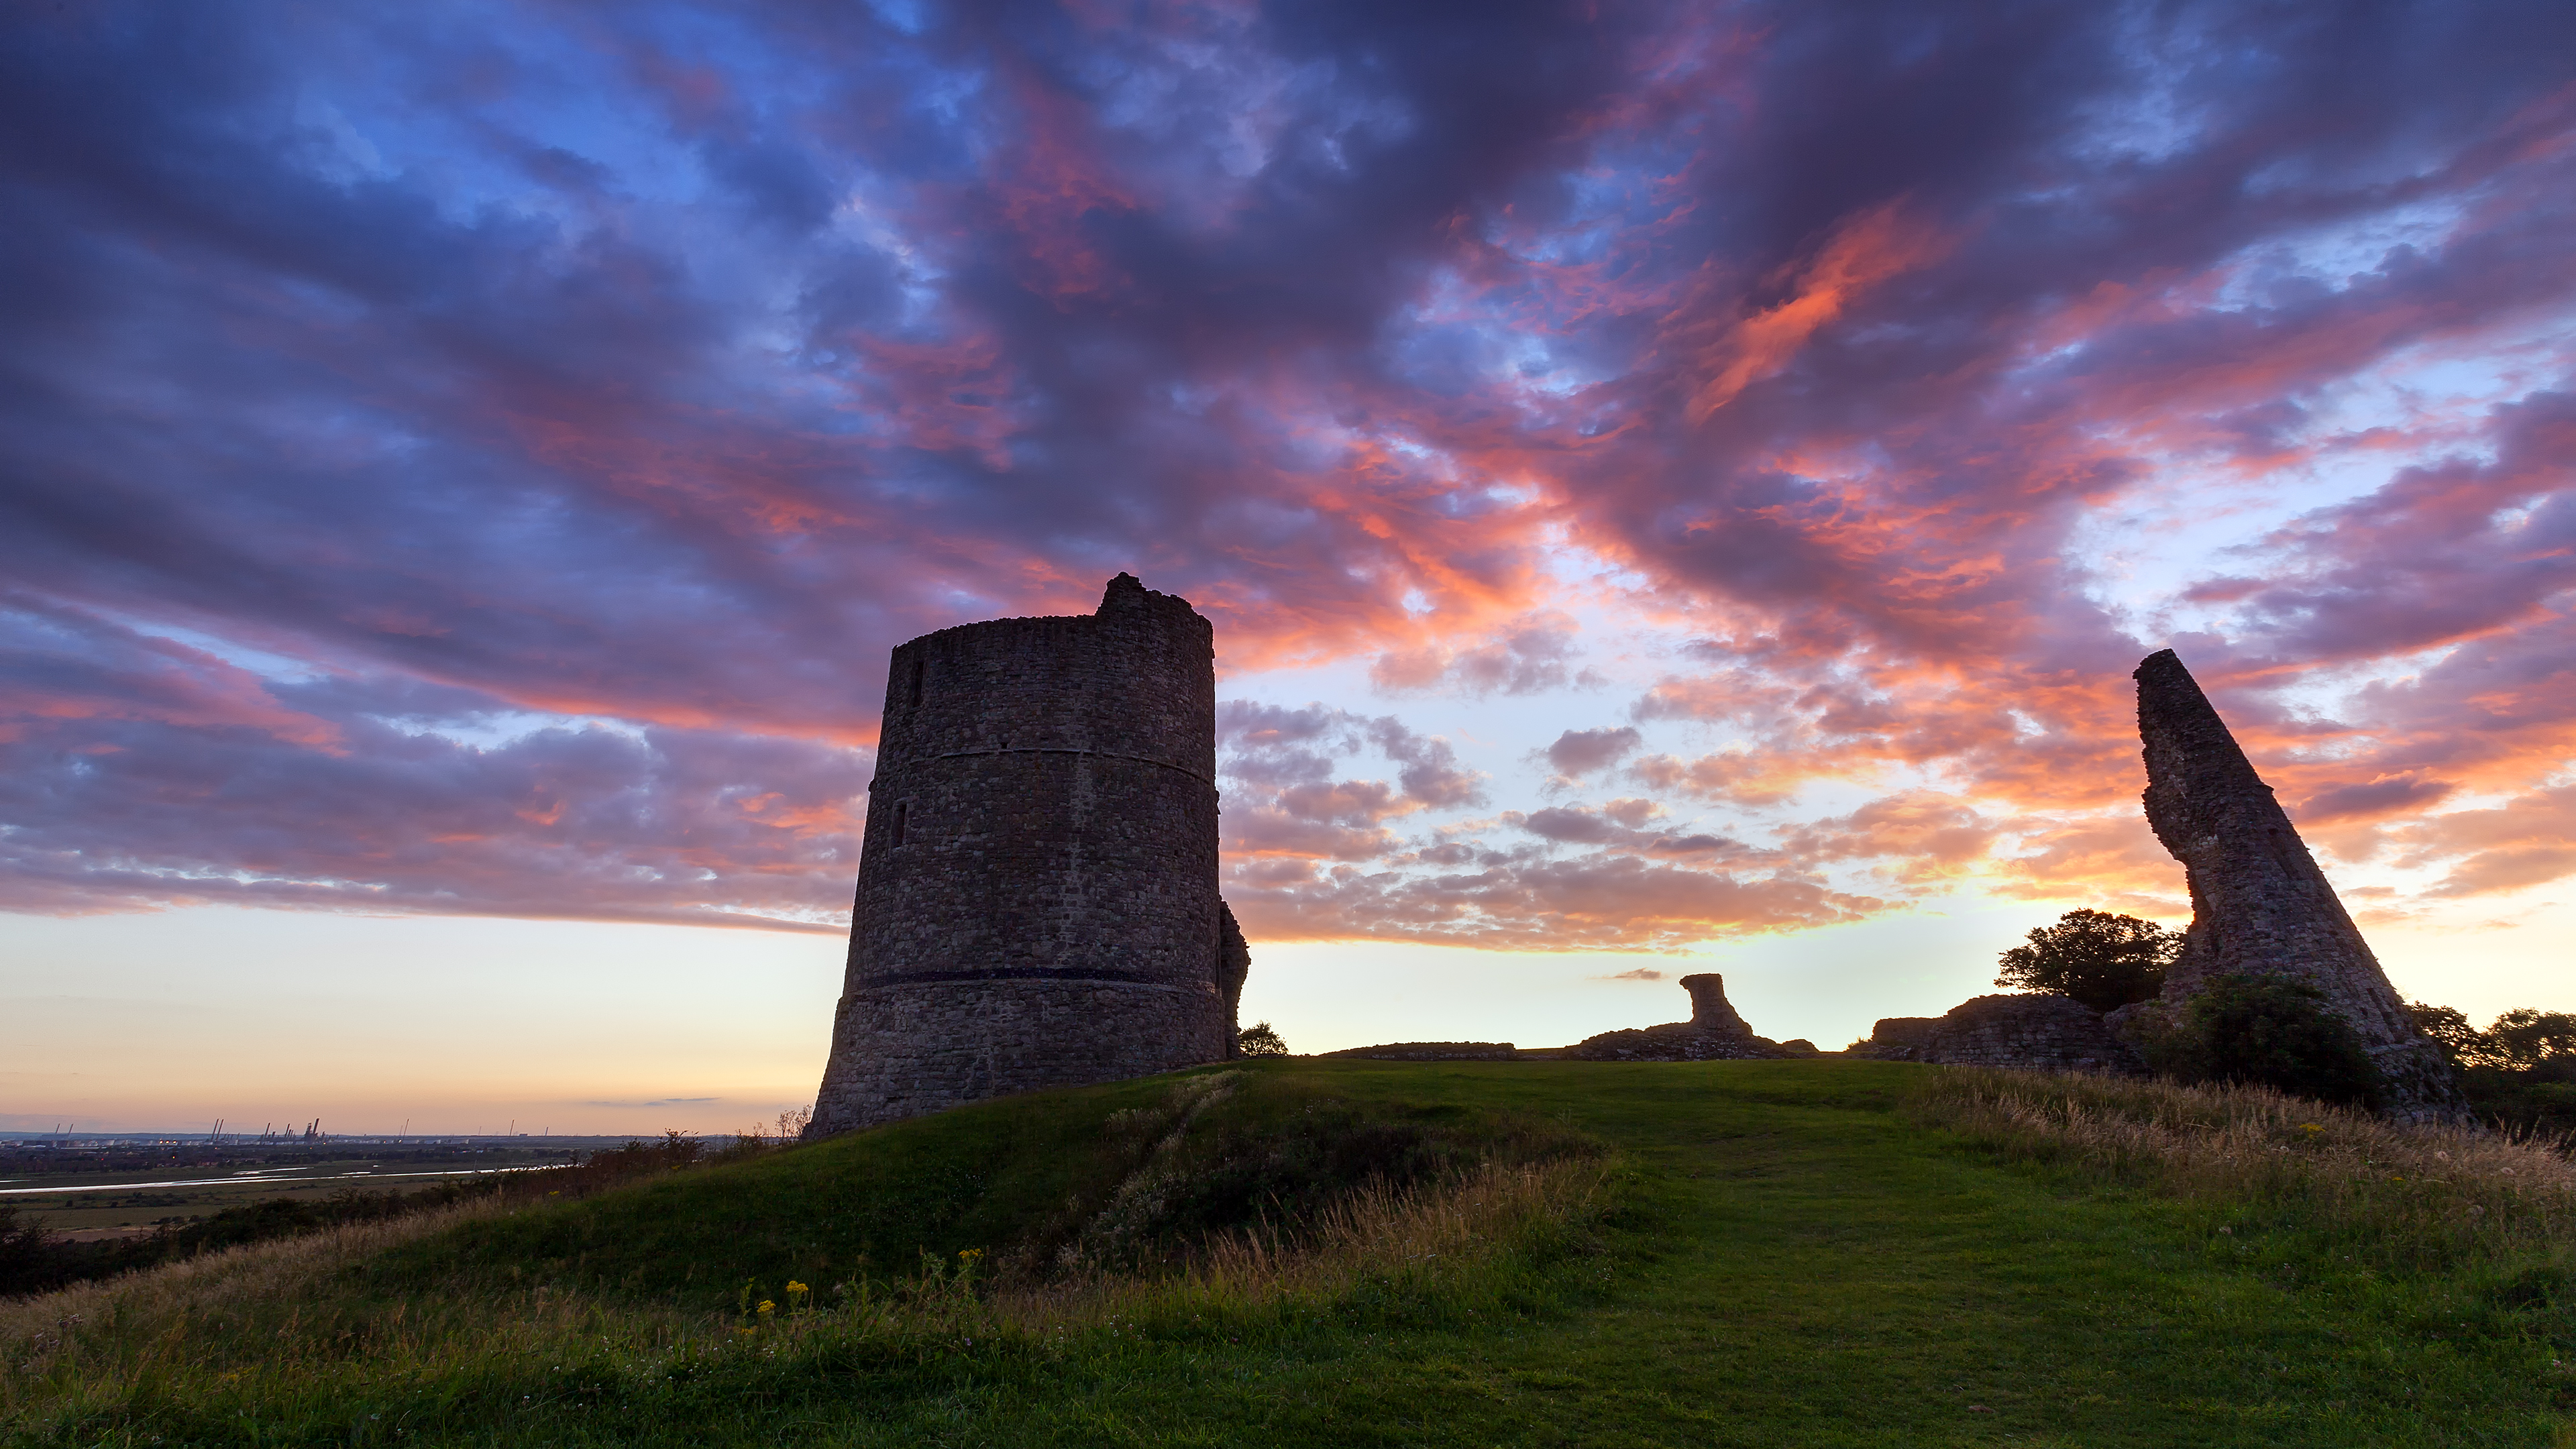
(1678,487)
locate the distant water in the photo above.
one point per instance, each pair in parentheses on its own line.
(271,1174)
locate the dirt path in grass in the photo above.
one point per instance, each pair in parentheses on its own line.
(1805,1269)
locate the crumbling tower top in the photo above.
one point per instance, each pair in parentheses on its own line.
(2260,905)
(1037,889)
(1710,1010)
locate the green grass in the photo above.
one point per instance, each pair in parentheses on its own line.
(1785,1253)
(864,1204)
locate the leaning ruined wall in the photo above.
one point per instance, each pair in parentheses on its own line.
(2260,906)
(1037,898)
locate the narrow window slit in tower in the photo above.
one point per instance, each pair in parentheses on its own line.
(902,820)
(916,684)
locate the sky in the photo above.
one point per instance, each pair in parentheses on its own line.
(1678,487)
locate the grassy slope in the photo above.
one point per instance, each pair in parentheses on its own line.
(856,1205)
(862,1206)
(1795,1265)
(1820,1273)
(1815,1272)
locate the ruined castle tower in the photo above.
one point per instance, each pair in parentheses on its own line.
(1037,901)
(1710,1010)
(2260,906)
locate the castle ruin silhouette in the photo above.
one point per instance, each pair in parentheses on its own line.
(1037,898)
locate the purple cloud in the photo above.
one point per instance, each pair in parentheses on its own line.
(478,461)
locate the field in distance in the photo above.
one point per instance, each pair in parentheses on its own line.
(125,1190)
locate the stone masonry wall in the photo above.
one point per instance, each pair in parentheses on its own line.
(2260,906)
(1037,899)
(2036,1033)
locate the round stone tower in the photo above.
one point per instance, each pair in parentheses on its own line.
(1037,902)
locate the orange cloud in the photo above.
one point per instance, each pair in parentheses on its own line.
(1863,251)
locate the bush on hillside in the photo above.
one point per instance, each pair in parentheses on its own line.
(2268,1032)
(1258,1040)
(2102,960)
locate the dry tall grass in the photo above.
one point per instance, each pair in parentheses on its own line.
(288,1326)
(1374,1234)
(246,1321)
(2418,1197)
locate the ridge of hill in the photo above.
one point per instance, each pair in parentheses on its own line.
(1347,1252)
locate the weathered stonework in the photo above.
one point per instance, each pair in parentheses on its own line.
(1710,1010)
(1714,1033)
(1895,1039)
(2260,906)
(2035,1033)
(1037,899)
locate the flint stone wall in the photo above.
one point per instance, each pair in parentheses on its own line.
(1895,1038)
(2260,906)
(2029,1033)
(1714,1033)
(1037,898)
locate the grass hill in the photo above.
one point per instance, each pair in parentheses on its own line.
(1303,1251)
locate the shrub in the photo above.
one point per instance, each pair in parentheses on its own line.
(1258,1040)
(2264,1031)
(2102,960)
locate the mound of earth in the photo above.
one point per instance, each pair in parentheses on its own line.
(1678,1041)
(1715,1033)
(1436,1051)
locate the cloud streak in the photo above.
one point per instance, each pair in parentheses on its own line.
(477,460)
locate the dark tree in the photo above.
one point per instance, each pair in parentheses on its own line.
(2100,959)
(1258,1040)
(2265,1031)
(2523,1040)
(2464,1044)
(2527,1040)
(2519,1073)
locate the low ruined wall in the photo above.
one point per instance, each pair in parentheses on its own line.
(2037,1033)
